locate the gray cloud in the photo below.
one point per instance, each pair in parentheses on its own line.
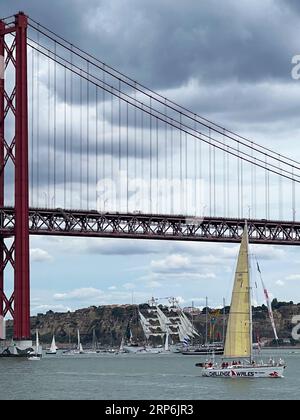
(164,45)
(228,61)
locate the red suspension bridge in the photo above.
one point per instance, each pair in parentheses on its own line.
(88,151)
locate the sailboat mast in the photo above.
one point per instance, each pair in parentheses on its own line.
(95,340)
(37,343)
(78,339)
(251,331)
(250,300)
(193,321)
(206,320)
(250,294)
(167,339)
(224,320)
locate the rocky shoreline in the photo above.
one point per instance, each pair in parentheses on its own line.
(111,322)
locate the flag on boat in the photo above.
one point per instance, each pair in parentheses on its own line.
(271,316)
(186,341)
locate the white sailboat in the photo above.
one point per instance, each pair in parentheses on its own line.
(78,350)
(79,345)
(35,356)
(238,343)
(53,349)
(93,350)
(167,347)
(122,349)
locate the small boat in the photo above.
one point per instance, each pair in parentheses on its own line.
(79,349)
(204,350)
(143,350)
(94,349)
(53,349)
(157,350)
(167,348)
(122,350)
(149,350)
(238,360)
(35,356)
(79,345)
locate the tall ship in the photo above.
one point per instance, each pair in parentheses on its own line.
(158,322)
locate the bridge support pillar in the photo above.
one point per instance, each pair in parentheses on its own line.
(2,105)
(14,105)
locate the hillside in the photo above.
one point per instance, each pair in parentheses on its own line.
(111,322)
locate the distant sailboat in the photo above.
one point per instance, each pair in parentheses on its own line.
(122,345)
(238,343)
(95,343)
(78,350)
(167,348)
(93,350)
(79,345)
(35,356)
(53,349)
(122,349)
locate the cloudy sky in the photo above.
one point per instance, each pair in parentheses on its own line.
(228,61)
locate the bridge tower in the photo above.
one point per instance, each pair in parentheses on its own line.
(14,251)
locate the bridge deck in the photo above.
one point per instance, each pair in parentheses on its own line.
(60,222)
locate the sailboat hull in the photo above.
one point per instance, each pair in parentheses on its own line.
(245,372)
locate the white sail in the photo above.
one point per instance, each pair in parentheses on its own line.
(122,345)
(36,355)
(188,326)
(79,345)
(37,346)
(145,325)
(163,320)
(182,323)
(53,347)
(176,321)
(167,341)
(94,345)
(181,333)
(78,340)
(2,328)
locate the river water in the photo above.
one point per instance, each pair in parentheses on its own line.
(137,377)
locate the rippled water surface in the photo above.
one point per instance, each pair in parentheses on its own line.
(148,377)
